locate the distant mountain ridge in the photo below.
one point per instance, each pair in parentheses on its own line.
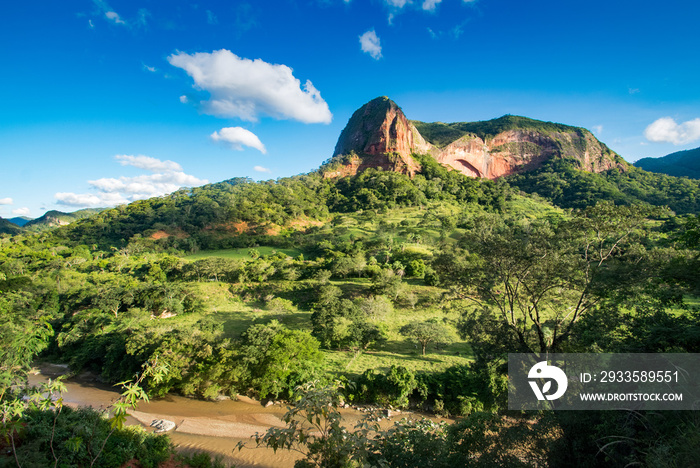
(379,135)
(20,220)
(679,164)
(54,218)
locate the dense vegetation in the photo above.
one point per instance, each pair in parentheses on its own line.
(411,292)
(7,227)
(562,183)
(442,134)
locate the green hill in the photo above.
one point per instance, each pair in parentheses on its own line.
(562,183)
(52,219)
(441,134)
(8,227)
(680,164)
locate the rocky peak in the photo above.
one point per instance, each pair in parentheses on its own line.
(379,135)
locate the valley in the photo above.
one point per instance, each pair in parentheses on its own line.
(391,276)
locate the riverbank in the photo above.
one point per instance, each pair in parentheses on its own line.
(212,426)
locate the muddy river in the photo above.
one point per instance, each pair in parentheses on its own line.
(214,427)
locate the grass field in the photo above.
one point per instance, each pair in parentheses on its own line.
(242,253)
(237,315)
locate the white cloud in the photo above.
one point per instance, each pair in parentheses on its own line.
(597,129)
(145,186)
(430,5)
(261,169)
(211,18)
(398,3)
(237,138)
(148,163)
(150,69)
(166,177)
(6,201)
(370,44)
(90,200)
(244,88)
(666,130)
(92,26)
(114,16)
(183,99)
(24,211)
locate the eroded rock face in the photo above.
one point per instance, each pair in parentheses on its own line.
(379,135)
(522,150)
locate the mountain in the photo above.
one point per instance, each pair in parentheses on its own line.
(379,135)
(55,218)
(680,164)
(8,227)
(20,220)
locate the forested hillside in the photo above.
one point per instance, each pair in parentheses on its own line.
(565,185)
(680,164)
(410,291)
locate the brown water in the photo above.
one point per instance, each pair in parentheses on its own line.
(214,427)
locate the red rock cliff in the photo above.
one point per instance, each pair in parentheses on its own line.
(379,135)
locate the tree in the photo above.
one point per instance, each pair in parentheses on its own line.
(278,358)
(387,283)
(542,277)
(416,268)
(426,332)
(364,334)
(314,429)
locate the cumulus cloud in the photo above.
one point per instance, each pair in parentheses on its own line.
(89,200)
(148,163)
(6,201)
(165,178)
(244,88)
(398,3)
(237,138)
(261,169)
(144,186)
(430,5)
(666,130)
(24,211)
(184,99)
(370,44)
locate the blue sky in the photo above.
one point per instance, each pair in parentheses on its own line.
(108,101)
